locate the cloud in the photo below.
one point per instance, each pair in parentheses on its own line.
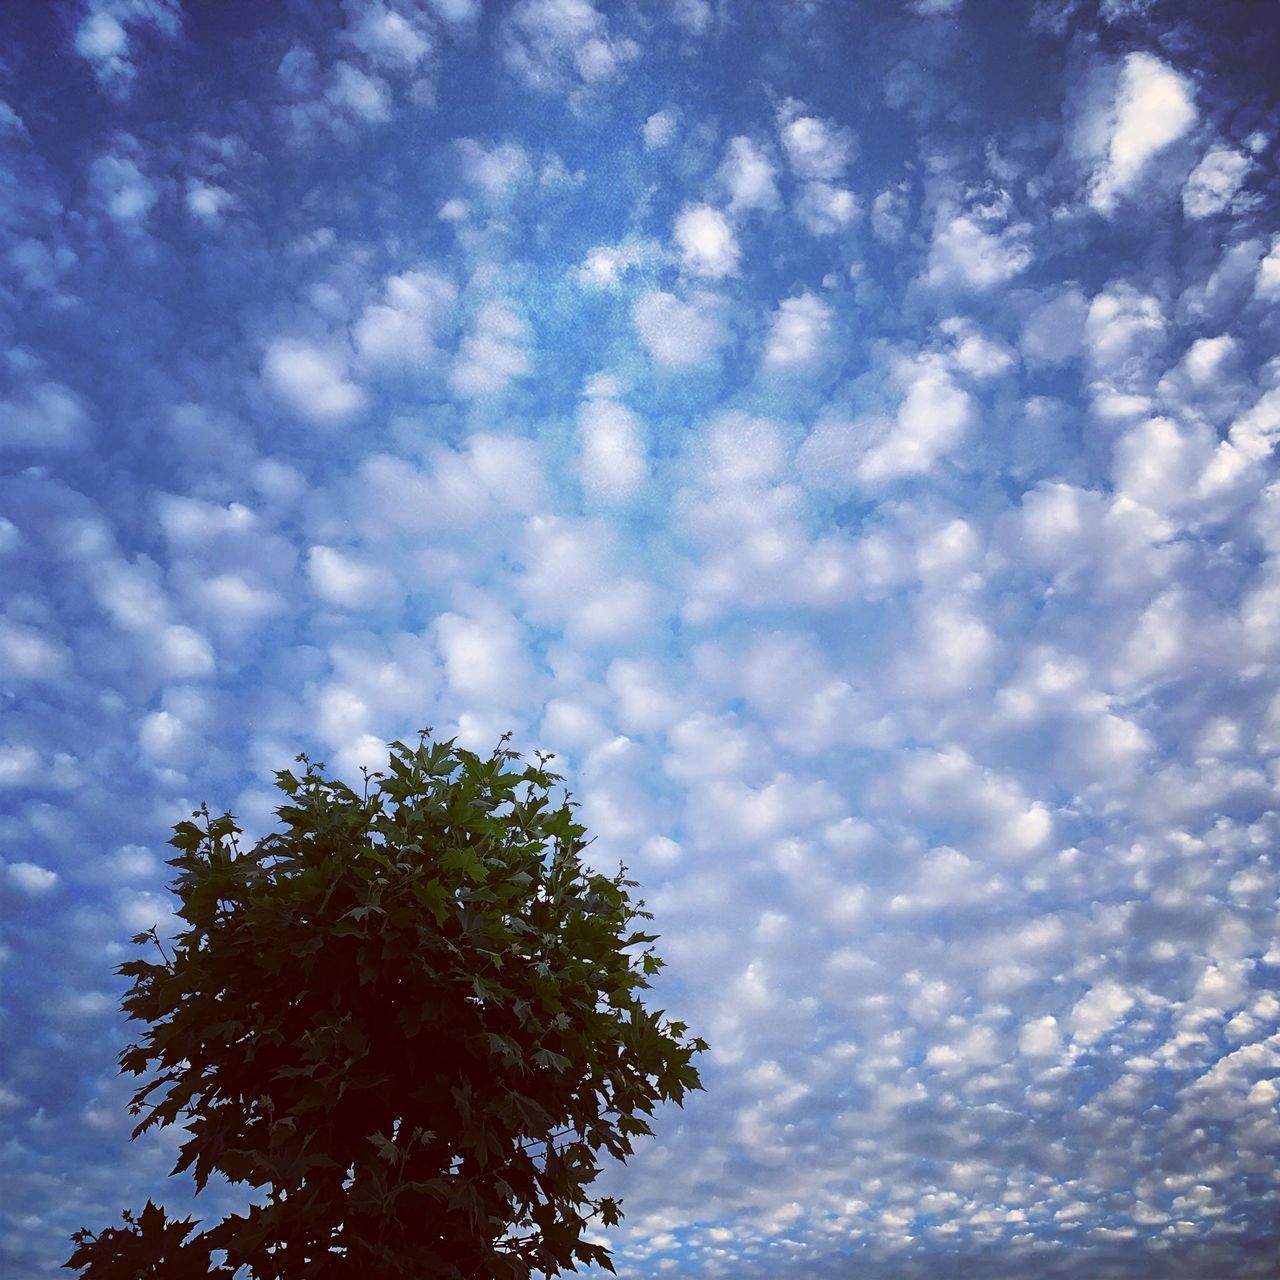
(979,247)
(30,878)
(799,333)
(103,40)
(1214,184)
(490,355)
(46,417)
(747,175)
(706,241)
(613,462)
(815,148)
(403,327)
(312,380)
(496,170)
(345,580)
(549,43)
(1153,108)
(930,421)
(659,128)
(126,194)
(355,92)
(679,334)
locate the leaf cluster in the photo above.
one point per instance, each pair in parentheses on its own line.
(411,1018)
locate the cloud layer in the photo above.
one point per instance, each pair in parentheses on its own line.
(856,461)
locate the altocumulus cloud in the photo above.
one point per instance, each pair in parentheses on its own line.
(844,434)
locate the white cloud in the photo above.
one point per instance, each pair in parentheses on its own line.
(485,655)
(815,147)
(404,327)
(1153,109)
(207,202)
(1124,331)
(605,265)
(396,39)
(30,878)
(747,174)
(496,171)
(550,42)
(495,477)
(706,241)
(1096,1012)
(1213,184)
(889,211)
(1053,333)
(799,333)
(490,356)
(1040,1039)
(570,581)
(124,191)
(1267,283)
(312,380)
(48,416)
(679,334)
(26,653)
(659,128)
(357,93)
(978,247)
(184,653)
(824,209)
(613,464)
(931,420)
(345,580)
(102,37)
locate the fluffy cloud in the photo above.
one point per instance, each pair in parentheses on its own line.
(978,247)
(613,456)
(676,333)
(549,42)
(799,332)
(402,327)
(706,242)
(1153,109)
(491,354)
(103,38)
(1212,186)
(312,380)
(748,177)
(816,148)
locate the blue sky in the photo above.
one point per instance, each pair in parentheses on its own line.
(843,432)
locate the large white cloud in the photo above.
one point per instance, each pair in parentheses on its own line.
(1153,108)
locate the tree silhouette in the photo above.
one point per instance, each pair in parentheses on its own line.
(411,1018)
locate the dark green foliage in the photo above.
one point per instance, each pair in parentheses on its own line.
(411,1018)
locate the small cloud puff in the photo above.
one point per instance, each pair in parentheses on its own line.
(490,355)
(815,148)
(30,878)
(613,463)
(799,332)
(978,247)
(121,187)
(549,43)
(747,175)
(1213,186)
(676,333)
(102,37)
(312,380)
(659,128)
(707,244)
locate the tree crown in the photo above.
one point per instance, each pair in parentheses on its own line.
(411,1017)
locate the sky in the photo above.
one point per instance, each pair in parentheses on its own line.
(842,431)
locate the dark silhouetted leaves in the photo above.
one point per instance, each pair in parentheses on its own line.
(411,1017)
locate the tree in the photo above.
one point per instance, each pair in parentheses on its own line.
(411,1019)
